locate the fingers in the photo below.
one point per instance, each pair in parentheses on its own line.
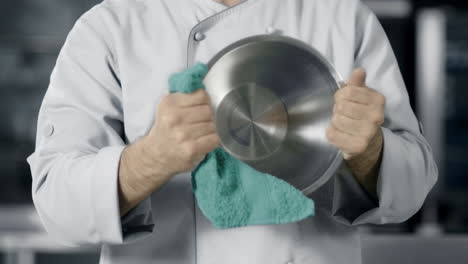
(199,130)
(357,116)
(350,109)
(358,78)
(358,128)
(207,143)
(359,111)
(356,91)
(199,97)
(360,95)
(194,132)
(350,145)
(196,114)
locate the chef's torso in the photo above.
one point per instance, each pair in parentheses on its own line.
(154,38)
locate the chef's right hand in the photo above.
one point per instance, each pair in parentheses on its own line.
(183,132)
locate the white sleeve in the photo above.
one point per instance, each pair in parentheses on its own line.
(79,143)
(408,171)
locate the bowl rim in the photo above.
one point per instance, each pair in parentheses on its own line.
(256,39)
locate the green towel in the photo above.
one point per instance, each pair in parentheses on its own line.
(229,192)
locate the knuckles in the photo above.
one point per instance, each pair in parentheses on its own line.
(378,117)
(340,107)
(356,146)
(373,114)
(206,111)
(380,99)
(346,92)
(190,152)
(180,136)
(171,120)
(200,96)
(340,94)
(331,134)
(204,95)
(166,100)
(350,91)
(337,121)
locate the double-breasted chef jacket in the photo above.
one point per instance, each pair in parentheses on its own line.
(104,92)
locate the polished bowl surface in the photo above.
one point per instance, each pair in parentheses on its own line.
(273,100)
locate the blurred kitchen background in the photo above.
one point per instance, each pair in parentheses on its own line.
(430,39)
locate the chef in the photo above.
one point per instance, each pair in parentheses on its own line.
(114,151)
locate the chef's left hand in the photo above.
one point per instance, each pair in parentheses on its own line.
(357,118)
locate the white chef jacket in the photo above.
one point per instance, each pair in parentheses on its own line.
(103,94)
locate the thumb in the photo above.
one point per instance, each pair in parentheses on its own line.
(358,78)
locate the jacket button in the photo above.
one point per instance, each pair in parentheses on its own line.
(273,31)
(199,36)
(49,130)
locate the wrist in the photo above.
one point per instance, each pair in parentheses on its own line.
(150,160)
(138,176)
(142,171)
(366,166)
(370,157)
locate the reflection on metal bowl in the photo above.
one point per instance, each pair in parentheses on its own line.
(273,99)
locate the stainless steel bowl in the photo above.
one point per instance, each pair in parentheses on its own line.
(273,100)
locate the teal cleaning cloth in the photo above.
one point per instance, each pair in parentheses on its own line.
(229,192)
